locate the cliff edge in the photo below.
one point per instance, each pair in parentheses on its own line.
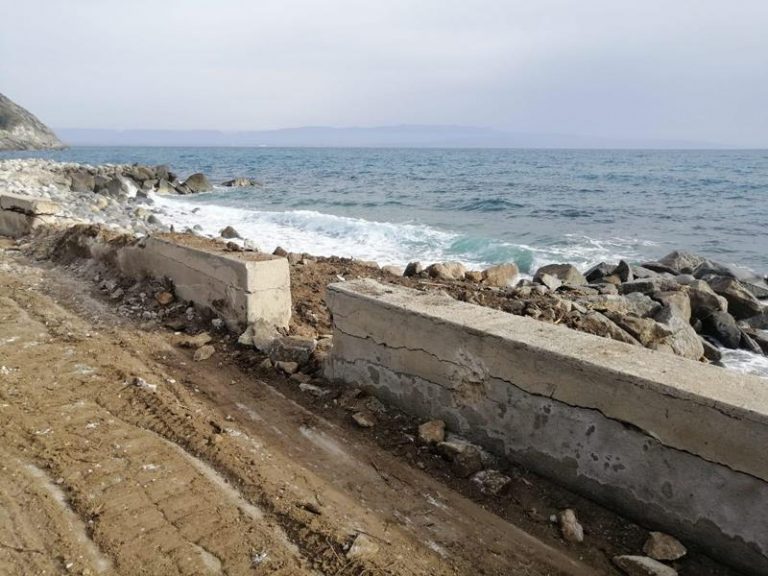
(21,130)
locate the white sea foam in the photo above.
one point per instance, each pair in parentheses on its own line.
(314,232)
(745,362)
(385,242)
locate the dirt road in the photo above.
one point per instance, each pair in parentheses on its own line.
(120,455)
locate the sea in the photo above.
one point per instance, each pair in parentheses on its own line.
(477,206)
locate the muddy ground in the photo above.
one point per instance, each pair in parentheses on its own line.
(122,455)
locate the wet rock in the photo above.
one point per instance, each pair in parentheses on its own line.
(624,272)
(570,528)
(413,269)
(363,548)
(197,183)
(292,349)
(643,566)
(432,432)
(749,343)
(240,183)
(447,271)
(501,276)
(364,419)
(203,353)
(491,481)
(566,273)
(660,546)
(711,352)
(723,327)
(759,321)
(229,233)
(741,303)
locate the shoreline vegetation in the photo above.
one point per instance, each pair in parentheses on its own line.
(682,304)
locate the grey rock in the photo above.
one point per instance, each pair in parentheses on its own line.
(393,270)
(413,269)
(82,181)
(640,272)
(741,303)
(641,304)
(501,276)
(682,262)
(624,272)
(292,349)
(723,327)
(229,232)
(711,352)
(749,343)
(447,271)
(198,183)
(549,280)
(599,324)
(566,273)
(679,301)
(598,272)
(704,300)
(241,183)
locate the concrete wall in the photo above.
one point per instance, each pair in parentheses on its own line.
(238,287)
(678,445)
(19,215)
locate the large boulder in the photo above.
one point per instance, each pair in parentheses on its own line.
(141,173)
(741,302)
(679,301)
(704,300)
(598,272)
(723,327)
(682,339)
(596,323)
(413,269)
(447,271)
(198,183)
(119,187)
(240,183)
(648,285)
(566,273)
(682,262)
(501,276)
(82,181)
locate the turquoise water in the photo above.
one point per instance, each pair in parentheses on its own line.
(478,206)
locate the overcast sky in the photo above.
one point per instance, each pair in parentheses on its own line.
(664,69)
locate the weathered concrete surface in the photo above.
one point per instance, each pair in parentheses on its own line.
(19,215)
(29,205)
(674,443)
(240,290)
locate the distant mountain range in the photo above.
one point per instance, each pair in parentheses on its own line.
(407,136)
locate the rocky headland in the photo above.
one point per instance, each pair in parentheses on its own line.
(683,304)
(21,130)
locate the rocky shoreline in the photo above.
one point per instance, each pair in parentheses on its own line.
(682,304)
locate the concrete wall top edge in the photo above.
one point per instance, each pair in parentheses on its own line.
(740,395)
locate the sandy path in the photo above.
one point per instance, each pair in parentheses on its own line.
(194,472)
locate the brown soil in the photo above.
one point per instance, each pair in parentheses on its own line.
(121,455)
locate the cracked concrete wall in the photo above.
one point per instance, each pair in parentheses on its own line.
(673,443)
(241,291)
(19,215)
